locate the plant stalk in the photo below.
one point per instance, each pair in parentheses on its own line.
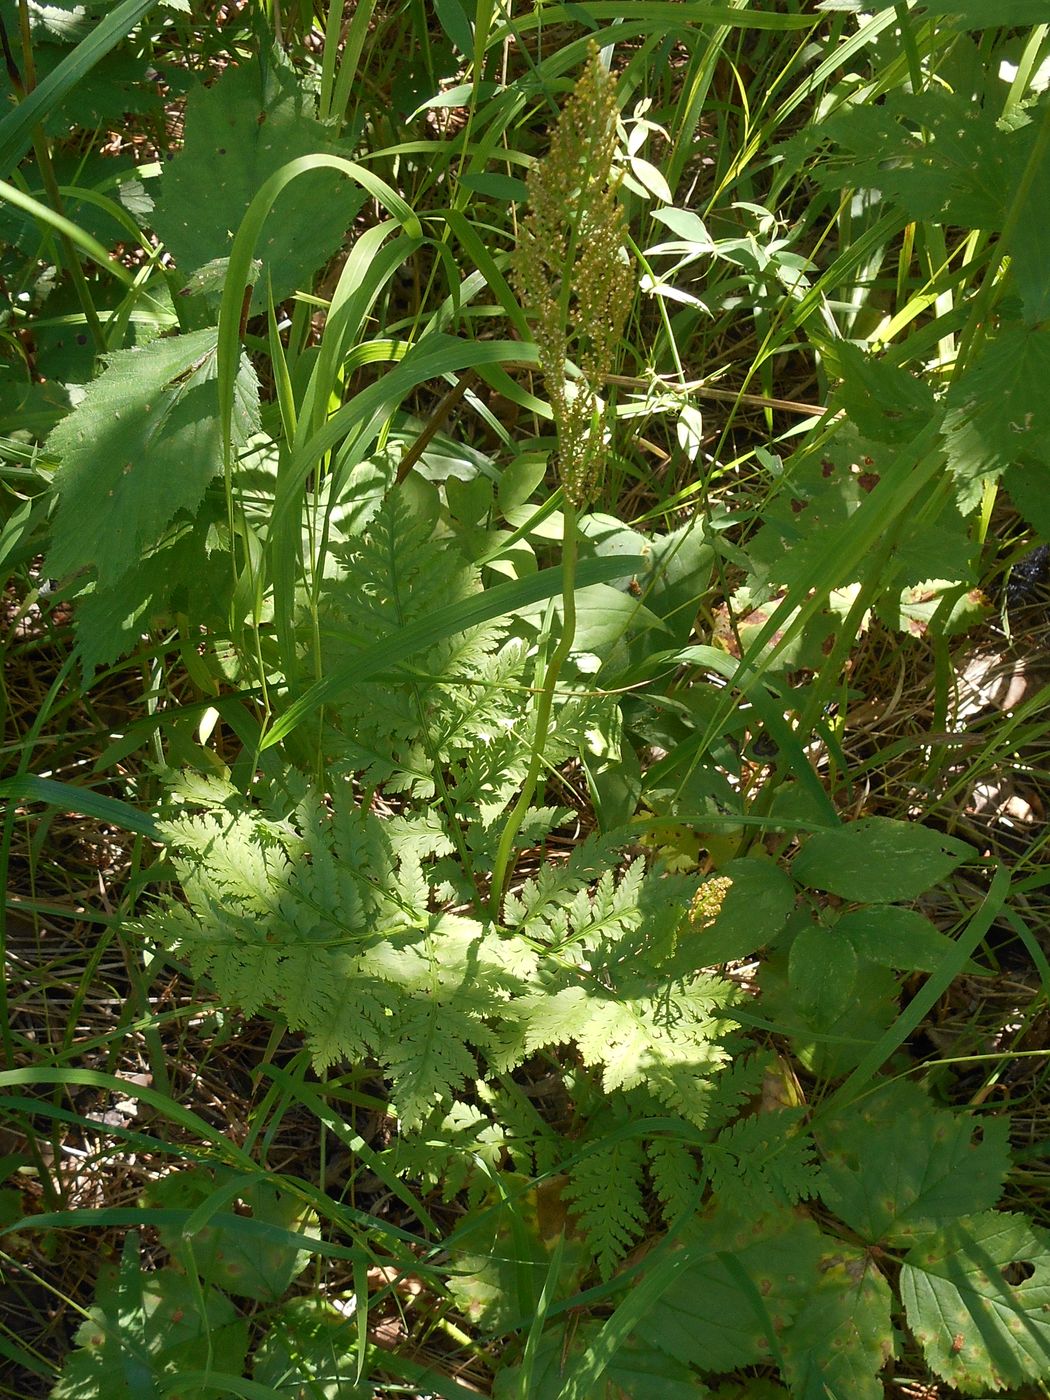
(503,865)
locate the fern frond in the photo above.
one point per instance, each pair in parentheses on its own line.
(738,1083)
(532,1144)
(556,885)
(762,1161)
(676,1177)
(606,1189)
(402,731)
(428,1058)
(450,1153)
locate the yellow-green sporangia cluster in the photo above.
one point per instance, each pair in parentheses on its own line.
(572,270)
(708,900)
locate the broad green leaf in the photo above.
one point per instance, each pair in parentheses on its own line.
(605,617)
(16,128)
(453,20)
(895,1165)
(755,908)
(977,1298)
(751,1389)
(231,1254)
(830,1049)
(950,161)
(948,606)
(965,14)
(116,88)
(239,132)
(842,1337)
(503,188)
(1029,486)
(804,522)
(885,403)
(637,1371)
(499,1274)
(938,548)
(677,574)
(309,1352)
(518,480)
(999,411)
(1026,240)
(147,1327)
(747,1280)
(895,937)
(876,860)
(822,973)
(142,445)
(187,573)
(650,178)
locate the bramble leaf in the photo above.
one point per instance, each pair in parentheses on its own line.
(895,1165)
(141,446)
(938,155)
(189,572)
(885,403)
(745,1283)
(842,1336)
(998,411)
(503,1261)
(239,132)
(228,1252)
(977,1297)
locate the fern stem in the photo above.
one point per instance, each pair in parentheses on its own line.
(503,865)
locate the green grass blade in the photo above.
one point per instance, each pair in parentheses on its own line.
(239,269)
(76,235)
(68,797)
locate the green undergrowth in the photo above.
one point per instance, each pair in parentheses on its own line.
(451,506)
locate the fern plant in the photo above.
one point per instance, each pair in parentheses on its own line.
(329,916)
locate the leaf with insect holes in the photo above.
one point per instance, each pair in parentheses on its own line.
(895,1165)
(141,446)
(977,1298)
(885,403)
(950,161)
(815,499)
(876,860)
(239,132)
